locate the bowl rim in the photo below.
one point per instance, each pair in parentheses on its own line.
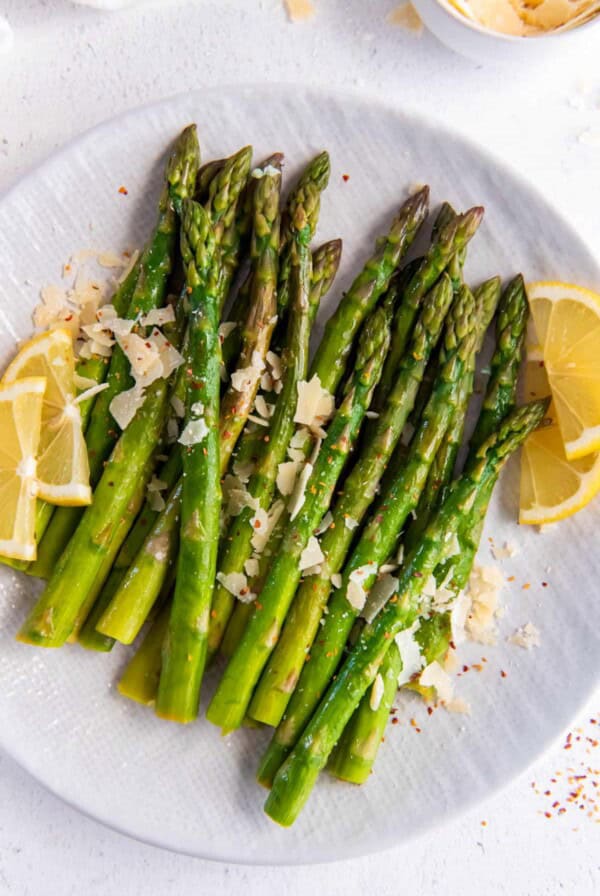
(472,25)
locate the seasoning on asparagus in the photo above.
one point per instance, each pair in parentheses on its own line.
(297,776)
(379,536)
(306,509)
(360,487)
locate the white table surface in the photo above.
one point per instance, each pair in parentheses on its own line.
(73,67)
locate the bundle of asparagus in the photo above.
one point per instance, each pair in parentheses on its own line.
(290,485)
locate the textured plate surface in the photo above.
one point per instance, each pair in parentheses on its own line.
(187,788)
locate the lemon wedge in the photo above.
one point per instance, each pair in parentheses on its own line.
(552,486)
(62,461)
(20,425)
(567,322)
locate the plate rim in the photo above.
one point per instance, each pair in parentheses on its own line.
(500,165)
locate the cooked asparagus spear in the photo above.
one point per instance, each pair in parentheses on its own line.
(360,487)
(238,401)
(450,239)
(155,266)
(230,702)
(440,475)
(237,543)
(343,325)
(297,776)
(379,535)
(184,648)
(355,754)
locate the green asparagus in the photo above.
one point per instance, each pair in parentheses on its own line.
(230,702)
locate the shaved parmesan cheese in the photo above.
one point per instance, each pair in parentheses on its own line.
(299,10)
(275,365)
(286,476)
(400,555)
(245,378)
(457,704)
(83,382)
(458,617)
(125,405)
(509,550)
(336,580)
(315,405)
(434,676)
(312,554)
(298,495)
(130,263)
(243,469)
(407,17)
(158,317)
(197,409)
(89,393)
(324,524)
(485,584)
(527,636)
(154,489)
(258,420)
(251,567)
(263,408)
(226,328)
(387,567)
(356,595)
(379,595)
(267,523)
(178,406)
(362,573)
(372,415)
(172,430)
(237,584)
(350,523)
(194,432)
(410,652)
(267,171)
(110,260)
(376,695)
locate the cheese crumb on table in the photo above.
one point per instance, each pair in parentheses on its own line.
(299,10)
(407,17)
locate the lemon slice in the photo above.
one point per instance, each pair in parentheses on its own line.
(20,425)
(62,463)
(567,322)
(552,486)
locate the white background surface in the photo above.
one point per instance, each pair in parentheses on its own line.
(72,67)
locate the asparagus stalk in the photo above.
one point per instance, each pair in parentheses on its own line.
(355,754)
(296,778)
(237,402)
(450,239)
(237,543)
(380,533)
(341,328)
(299,221)
(230,702)
(284,667)
(155,266)
(140,679)
(513,313)
(184,648)
(487,296)
(138,589)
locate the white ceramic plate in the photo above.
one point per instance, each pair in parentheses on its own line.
(187,788)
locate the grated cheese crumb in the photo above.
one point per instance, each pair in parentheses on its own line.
(350,523)
(410,651)
(299,10)
(509,550)
(356,595)
(237,584)
(251,567)
(435,676)
(243,469)
(379,595)
(267,522)
(287,473)
(225,329)
(193,433)
(527,636)
(312,554)
(336,580)
(376,695)
(178,406)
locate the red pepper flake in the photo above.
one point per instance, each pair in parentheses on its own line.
(526,586)
(544,584)
(502,673)
(548,814)
(123,190)
(484,824)
(345,177)
(510,579)
(395,720)
(430,710)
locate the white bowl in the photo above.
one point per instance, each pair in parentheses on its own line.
(484,45)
